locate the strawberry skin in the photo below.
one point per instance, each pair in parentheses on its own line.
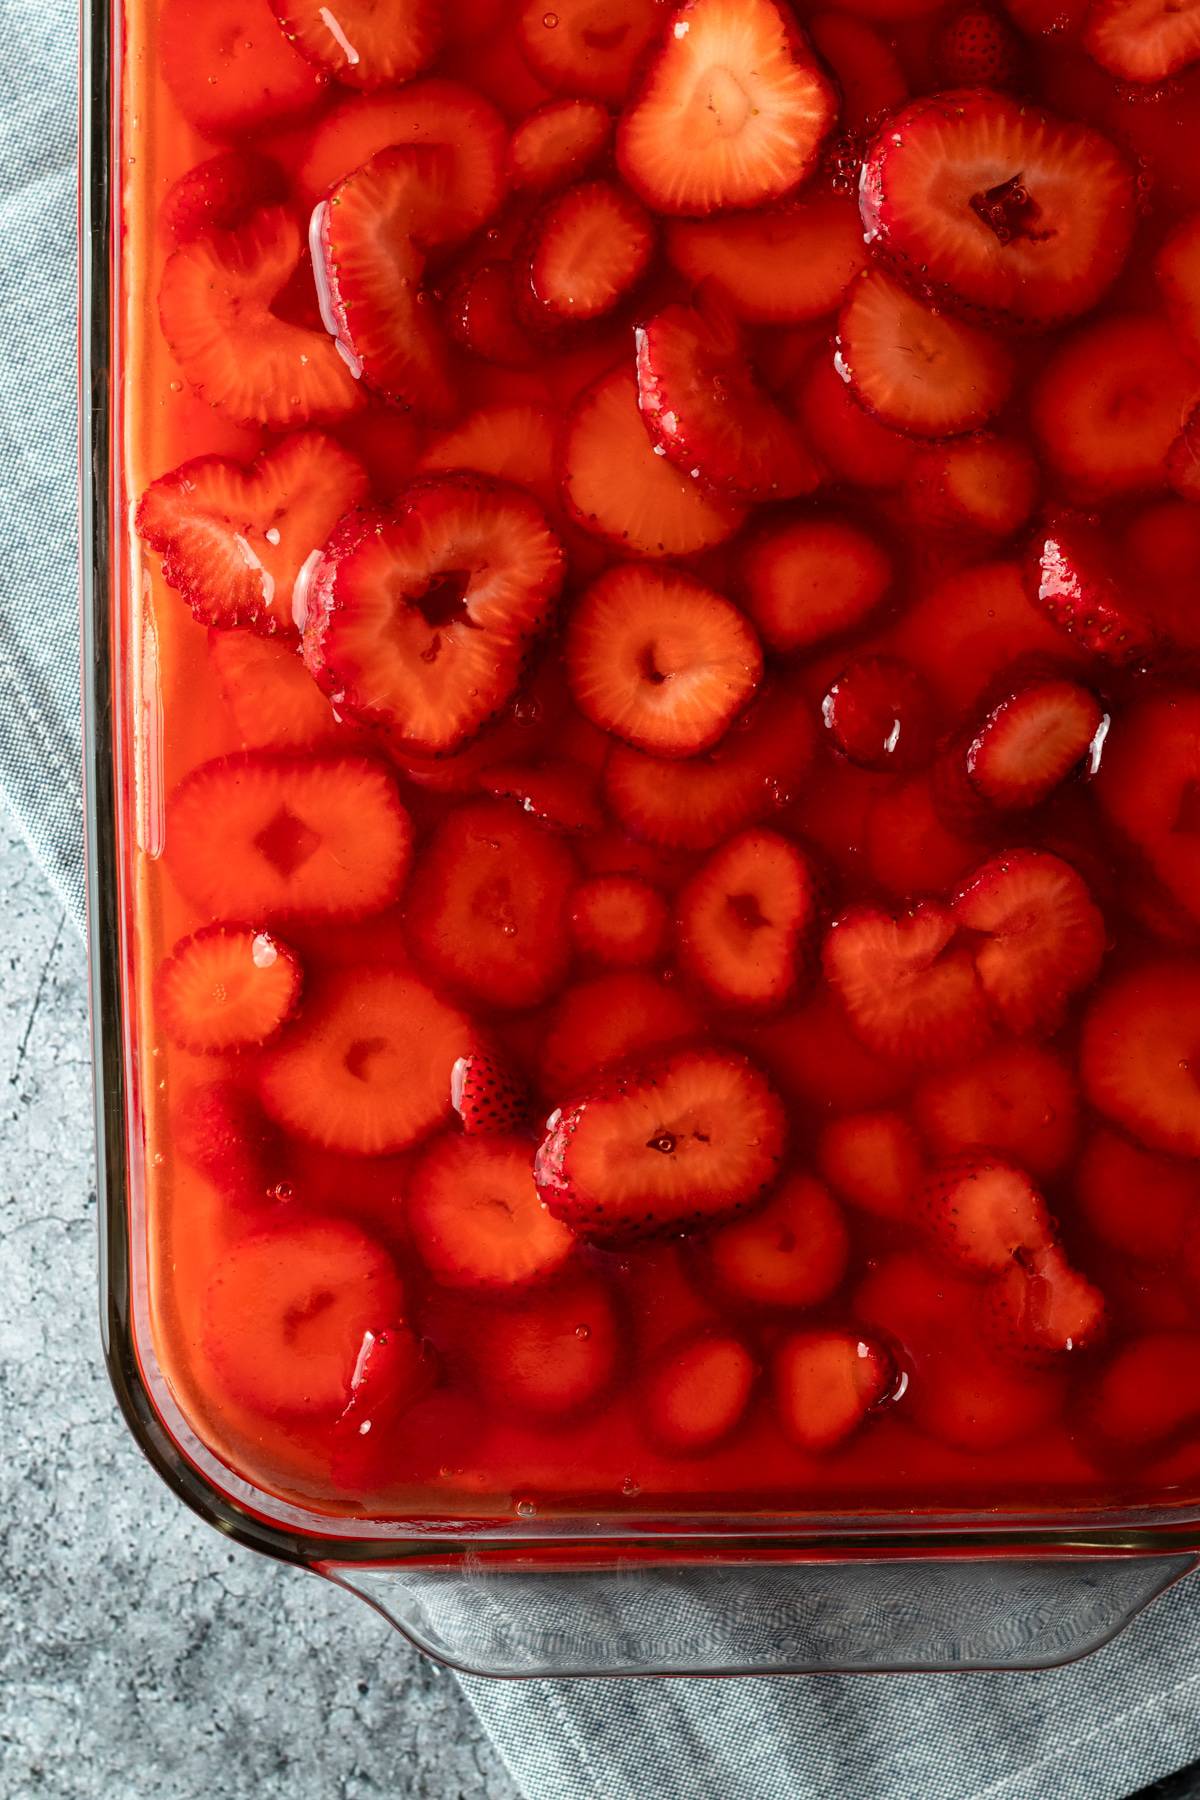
(666,1148)
(1076,590)
(977,48)
(486,1094)
(879,713)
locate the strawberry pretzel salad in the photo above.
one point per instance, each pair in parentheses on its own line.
(661,799)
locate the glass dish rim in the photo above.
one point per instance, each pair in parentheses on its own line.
(1133,1531)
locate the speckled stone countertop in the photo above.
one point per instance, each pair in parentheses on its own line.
(141,1658)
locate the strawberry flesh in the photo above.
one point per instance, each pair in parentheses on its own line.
(746,920)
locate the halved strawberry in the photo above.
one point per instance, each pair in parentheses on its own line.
(1043,1307)
(286,1311)
(589,47)
(608,1020)
(620,489)
(220,194)
(662,1148)
(1143,40)
(784,266)
(844,436)
(227,987)
(696,1391)
(585,252)
(1107,406)
(986,483)
(488,1096)
(443,114)
(487,907)
(317,837)
(1138,1044)
(508,443)
(868,71)
(366,43)
(873,1160)
(270,695)
(707,411)
(1029,744)
(792,1251)
(476,1218)
(909,847)
(234,538)
(659,660)
(1043,937)
(985,201)
(557,143)
(215,303)
(694,803)
(553,1354)
(366,1070)
(983,1213)
(914,368)
(731,111)
(481,314)
(558,795)
(420,621)
(1136,1201)
(909,986)
(977,47)
(1018,1101)
(1150,1391)
(746,919)
(827,1382)
(808,579)
(619,919)
(1148,785)
(879,713)
(230,68)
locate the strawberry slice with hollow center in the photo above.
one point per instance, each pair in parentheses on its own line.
(589,47)
(234,539)
(984,1213)
(419,622)
(665,1148)
(1043,936)
(746,920)
(731,112)
(709,414)
(988,202)
(1143,40)
(364,43)
(476,1218)
(908,984)
(791,1252)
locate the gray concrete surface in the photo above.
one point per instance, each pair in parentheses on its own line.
(141,1658)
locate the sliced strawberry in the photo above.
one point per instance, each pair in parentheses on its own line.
(854,446)
(873,1160)
(1017,1101)
(475,1216)
(557,143)
(1142,40)
(826,1383)
(487,1095)
(215,304)
(1160,551)
(697,1390)
(419,623)
(879,713)
(1108,404)
(808,579)
(1042,1307)
(707,411)
(227,987)
(1148,785)
(985,201)
(220,1130)
(977,48)
(1183,459)
(365,44)
(869,73)
(317,837)
(620,489)
(909,847)
(694,803)
(1139,1041)
(746,920)
(662,1148)
(427,113)
(554,1354)
(286,1312)
(984,1213)
(487,908)
(1136,1201)
(1150,1391)
(586,252)
(234,538)
(219,195)
(230,68)
(608,1020)
(785,266)
(589,47)
(1029,744)
(481,314)
(560,796)
(619,919)
(366,1070)
(270,695)
(1043,936)
(394,1369)
(985,483)
(1177,267)
(916,369)
(508,443)
(734,82)
(909,987)
(659,660)
(791,1252)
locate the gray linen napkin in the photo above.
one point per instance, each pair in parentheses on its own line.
(1095,1731)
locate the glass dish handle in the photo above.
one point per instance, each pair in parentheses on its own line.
(635,1617)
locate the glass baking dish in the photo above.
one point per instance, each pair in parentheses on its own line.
(538,1573)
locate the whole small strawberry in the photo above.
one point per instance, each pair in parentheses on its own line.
(977,48)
